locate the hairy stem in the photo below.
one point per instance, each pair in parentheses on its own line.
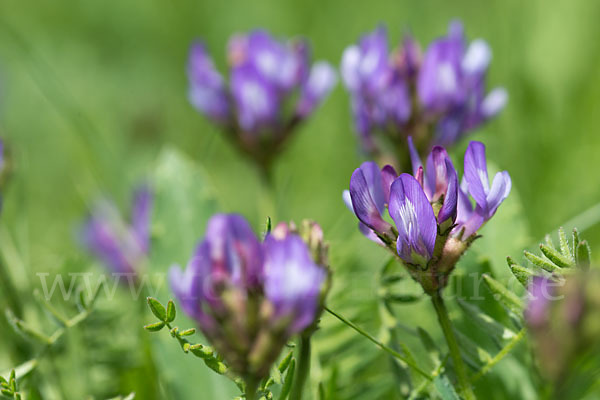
(501,354)
(303,368)
(459,365)
(380,345)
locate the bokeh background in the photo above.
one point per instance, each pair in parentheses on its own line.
(91,93)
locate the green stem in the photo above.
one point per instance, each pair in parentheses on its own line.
(501,354)
(459,365)
(250,390)
(380,345)
(303,368)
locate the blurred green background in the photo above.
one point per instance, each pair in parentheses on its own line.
(91,91)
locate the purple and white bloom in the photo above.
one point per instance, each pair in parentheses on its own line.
(476,183)
(415,220)
(249,297)
(439,180)
(368,198)
(401,93)
(272,87)
(121,246)
(451,83)
(380,94)
(433,219)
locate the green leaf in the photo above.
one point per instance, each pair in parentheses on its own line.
(171,312)
(80,300)
(276,376)
(523,275)
(503,295)
(289,378)
(183,202)
(285,363)
(554,256)
(157,309)
(583,254)
(188,332)
(201,351)
(540,262)
(269,226)
(155,327)
(401,298)
(25,330)
(575,241)
(54,314)
(444,388)
(495,329)
(564,245)
(430,346)
(473,354)
(216,365)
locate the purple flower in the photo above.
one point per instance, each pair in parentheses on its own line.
(121,246)
(451,83)
(446,83)
(272,87)
(417,228)
(476,183)
(207,91)
(439,181)
(541,292)
(434,220)
(243,292)
(380,94)
(368,196)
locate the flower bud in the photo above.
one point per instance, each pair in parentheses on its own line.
(250,297)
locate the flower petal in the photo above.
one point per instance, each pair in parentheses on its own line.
(477,58)
(493,103)
(292,280)
(388,175)
(414,156)
(235,252)
(368,198)
(207,89)
(449,208)
(499,191)
(255,98)
(142,208)
(476,173)
(321,80)
(414,218)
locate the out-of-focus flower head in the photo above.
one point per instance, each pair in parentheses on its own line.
(249,297)
(563,317)
(432,219)
(122,246)
(272,87)
(435,97)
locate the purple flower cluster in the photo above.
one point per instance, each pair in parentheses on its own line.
(122,246)
(247,296)
(433,217)
(436,97)
(272,87)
